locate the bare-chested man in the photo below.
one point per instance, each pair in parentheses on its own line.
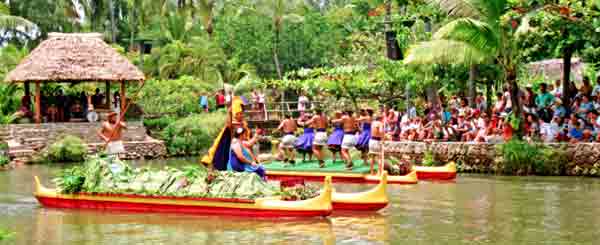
(377,134)
(350,126)
(111,133)
(286,148)
(319,122)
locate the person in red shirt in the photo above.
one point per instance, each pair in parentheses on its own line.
(220,99)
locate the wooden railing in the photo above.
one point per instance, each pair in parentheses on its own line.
(276,111)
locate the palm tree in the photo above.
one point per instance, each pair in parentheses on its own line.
(476,36)
(15,24)
(278,11)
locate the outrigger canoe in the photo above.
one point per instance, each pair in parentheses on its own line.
(342,177)
(319,206)
(371,200)
(446,172)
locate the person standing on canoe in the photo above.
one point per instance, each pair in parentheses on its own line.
(377,134)
(111,133)
(286,148)
(304,143)
(362,143)
(334,143)
(349,142)
(319,122)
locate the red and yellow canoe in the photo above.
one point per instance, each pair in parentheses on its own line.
(262,207)
(446,172)
(341,177)
(371,200)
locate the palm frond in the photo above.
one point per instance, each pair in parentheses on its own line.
(444,52)
(14,22)
(477,34)
(458,8)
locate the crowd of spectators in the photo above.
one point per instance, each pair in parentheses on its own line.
(544,117)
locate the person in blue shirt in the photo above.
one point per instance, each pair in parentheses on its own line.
(204,102)
(576,133)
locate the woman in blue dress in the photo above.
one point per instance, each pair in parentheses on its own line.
(362,143)
(334,142)
(241,158)
(304,143)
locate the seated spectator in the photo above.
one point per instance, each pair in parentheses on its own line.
(559,109)
(586,88)
(544,102)
(558,89)
(507,130)
(499,106)
(549,131)
(576,133)
(596,90)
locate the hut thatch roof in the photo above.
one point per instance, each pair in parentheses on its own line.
(73,58)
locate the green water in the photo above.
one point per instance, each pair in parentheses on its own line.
(473,210)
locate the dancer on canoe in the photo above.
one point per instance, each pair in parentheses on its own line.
(377,134)
(111,133)
(286,148)
(349,142)
(304,143)
(334,142)
(241,158)
(362,143)
(319,121)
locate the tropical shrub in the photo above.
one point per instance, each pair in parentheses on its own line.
(178,97)
(4,161)
(67,149)
(194,134)
(159,123)
(5,235)
(521,157)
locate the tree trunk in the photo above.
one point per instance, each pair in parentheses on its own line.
(566,93)
(112,22)
(471,85)
(488,96)
(514,98)
(275,55)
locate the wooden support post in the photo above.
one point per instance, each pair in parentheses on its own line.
(38,103)
(26,88)
(108,95)
(123,99)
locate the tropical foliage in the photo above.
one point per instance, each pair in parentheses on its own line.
(194,134)
(67,149)
(100,175)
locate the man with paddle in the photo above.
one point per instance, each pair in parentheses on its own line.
(111,133)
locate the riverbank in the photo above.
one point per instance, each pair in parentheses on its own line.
(581,159)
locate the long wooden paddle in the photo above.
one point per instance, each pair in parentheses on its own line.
(122,114)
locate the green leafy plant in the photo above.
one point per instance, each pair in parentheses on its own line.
(5,235)
(67,149)
(194,134)
(4,160)
(70,180)
(104,175)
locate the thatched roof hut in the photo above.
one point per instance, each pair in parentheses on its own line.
(73,58)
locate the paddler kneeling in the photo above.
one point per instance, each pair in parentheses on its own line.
(241,158)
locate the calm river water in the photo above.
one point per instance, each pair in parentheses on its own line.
(473,210)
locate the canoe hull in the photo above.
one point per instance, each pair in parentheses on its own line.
(364,207)
(408,179)
(366,201)
(446,172)
(171,208)
(319,206)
